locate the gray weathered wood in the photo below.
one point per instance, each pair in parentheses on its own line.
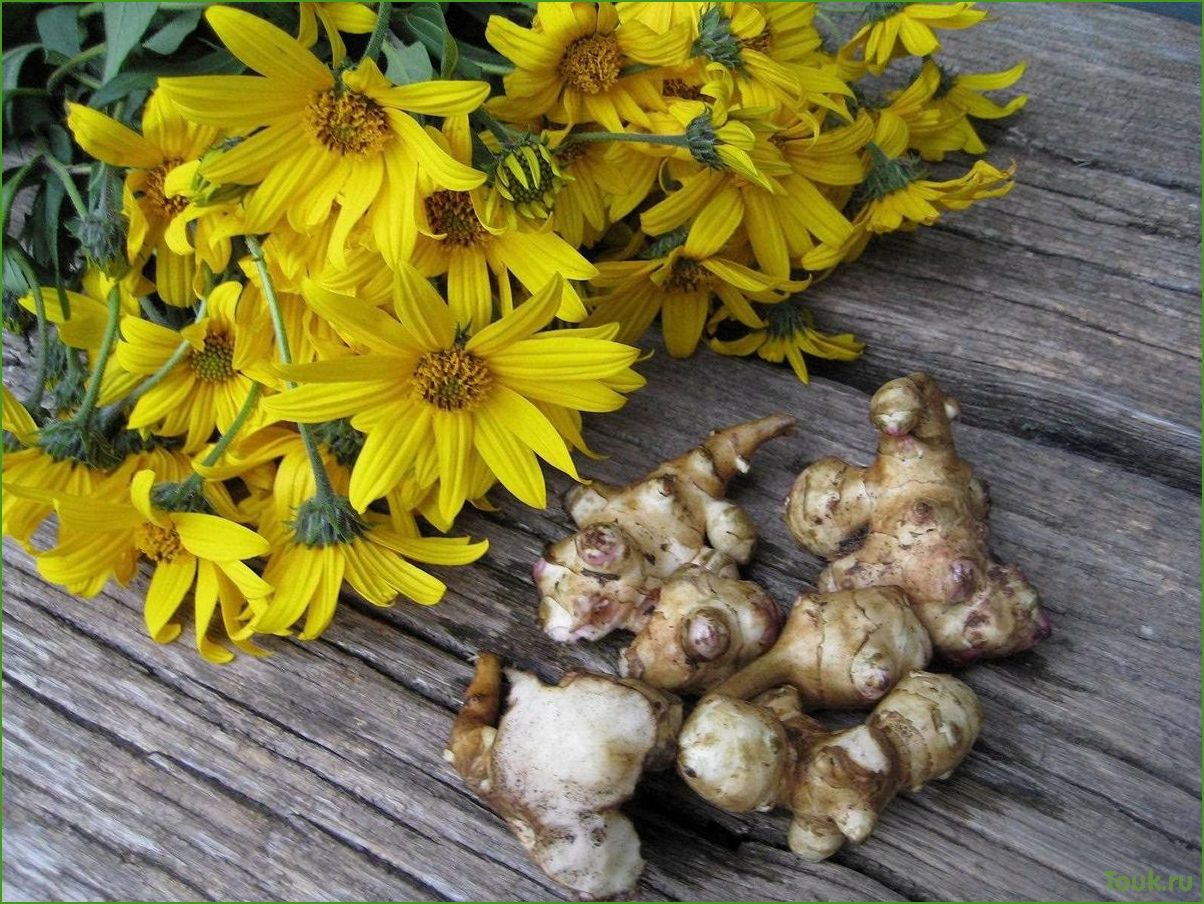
(1065,317)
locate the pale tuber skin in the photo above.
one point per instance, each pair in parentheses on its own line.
(742,756)
(704,627)
(916,518)
(560,762)
(841,650)
(609,574)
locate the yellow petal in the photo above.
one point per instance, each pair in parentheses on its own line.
(108,140)
(530,427)
(444,170)
(235,102)
(329,401)
(511,460)
(168,585)
(216,539)
(359,321)
(682,323)
(140,490)
(556,359)
(437,98)
(14,418)
(267,49)
(453,444)
(526,319)
(422,312)
(388,454)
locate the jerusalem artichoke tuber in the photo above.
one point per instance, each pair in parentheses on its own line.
(560,762)
(917,519)
(840,650)
(757,755)
(704,627)
(610,574)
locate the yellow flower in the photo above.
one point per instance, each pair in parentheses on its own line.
(189,551)
(166,142)
(431,401)
(770,49)
(353,18)
(464,242)
(899,29)
(320,137)
(569,65)
(81,320)
(720,135)
(897,198)
(779,210)
(208,384)
(789,333)
(955,100)
(318,546)
(681,275)
(662,17)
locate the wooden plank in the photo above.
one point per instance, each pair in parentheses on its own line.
(1068,312)
(1066,318)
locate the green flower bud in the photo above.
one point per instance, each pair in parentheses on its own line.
(320,522)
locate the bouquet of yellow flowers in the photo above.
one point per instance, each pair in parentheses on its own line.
(337,269)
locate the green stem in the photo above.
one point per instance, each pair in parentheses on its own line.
(60,170)
(383,10)
(679,141)
(14,186)
(102,358)
(34,402)
(78,60)
(503,132)
(180,353)
(325,491)
(240,419)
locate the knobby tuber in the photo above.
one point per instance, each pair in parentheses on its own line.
(559,763)
(841,650)
(611,573)
(756,755)
(916,518)
(704,627)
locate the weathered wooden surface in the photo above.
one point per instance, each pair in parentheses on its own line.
(1066,318)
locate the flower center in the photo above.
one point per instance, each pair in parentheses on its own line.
(451,379)
(591,64)
(159,544)
(676,87)
(451,214)
(761,43)
(152,191)
(687,275)
(349,123)
(215,362)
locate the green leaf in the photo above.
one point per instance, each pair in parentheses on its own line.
(169,38)
(121,85)
(13,60)
(483,60)
(406,63)
(143,76)
(58,28)
(125,23)
(426,21)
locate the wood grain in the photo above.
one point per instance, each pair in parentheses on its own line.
(1066,317)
